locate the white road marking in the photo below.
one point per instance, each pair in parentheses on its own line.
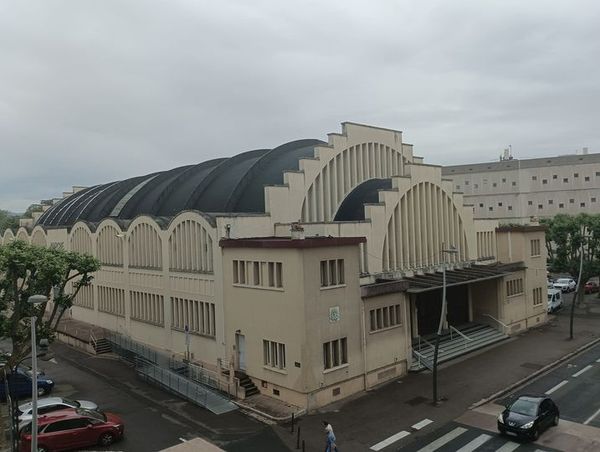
(585,369)
(421,424)
(469,447)
(443,440)
(390,440)
(508,447)
(591,418)
(557,387)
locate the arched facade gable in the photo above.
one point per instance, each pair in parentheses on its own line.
(359,153)
(38,237)
(109,243)
(424,220)
(8,236)
(23,235)
(145,243)
(81,238)
(191,243)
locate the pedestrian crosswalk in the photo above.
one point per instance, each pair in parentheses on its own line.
(458,438)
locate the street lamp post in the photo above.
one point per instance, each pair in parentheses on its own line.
(451,250)
(34,300)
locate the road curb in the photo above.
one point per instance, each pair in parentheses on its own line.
(269,416)
(535,374)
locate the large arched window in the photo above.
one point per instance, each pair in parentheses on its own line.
(145,247)
(81,240)
(110,246)
(191,248)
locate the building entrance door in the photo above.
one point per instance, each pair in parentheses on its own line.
(240,340)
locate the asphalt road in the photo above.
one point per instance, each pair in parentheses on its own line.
(154,419)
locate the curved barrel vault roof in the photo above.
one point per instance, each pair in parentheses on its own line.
(226,185)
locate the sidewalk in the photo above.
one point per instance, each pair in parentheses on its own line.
(381,413)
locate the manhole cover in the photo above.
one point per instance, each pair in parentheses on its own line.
(416,401)
(533,366)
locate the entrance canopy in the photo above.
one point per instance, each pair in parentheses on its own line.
(475,273)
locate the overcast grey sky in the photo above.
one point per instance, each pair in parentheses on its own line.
(94,91)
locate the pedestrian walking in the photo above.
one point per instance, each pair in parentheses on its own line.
(330,445)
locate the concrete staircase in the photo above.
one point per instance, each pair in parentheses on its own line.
(101,345)
(249,387)
(454,343)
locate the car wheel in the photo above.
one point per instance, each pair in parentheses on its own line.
(555,420)
(106,439)
(535,434)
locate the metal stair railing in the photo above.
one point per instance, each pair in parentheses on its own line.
(464,336)
(503,325)
(422,360)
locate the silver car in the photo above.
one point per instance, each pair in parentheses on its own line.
(49,404)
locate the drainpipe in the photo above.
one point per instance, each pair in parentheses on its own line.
(364,341)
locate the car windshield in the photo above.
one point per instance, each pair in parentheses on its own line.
(73,403)
(93,414)
(524,406)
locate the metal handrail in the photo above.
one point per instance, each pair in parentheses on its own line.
(423,360)
(426,341)
(459,333)
(503,325)
(93,339)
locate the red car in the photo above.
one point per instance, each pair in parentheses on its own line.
(73,429)
(591,287)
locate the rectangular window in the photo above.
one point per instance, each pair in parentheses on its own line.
(576,175)
(533,177)
(597,173)
(236,278)
(593,199)
(480,204)
(242,278)
(503,180)
(271,272)
(466,182)
(587,178)
(490,208)
(386,317)
(537,296)
(494,184)
(499,204)
(535,247)
(581,204)
(550,201)
(554,176)
(332,272)
(279,274)
(540,206)
(256,273)
(514,184)
(571,201)
(273,354)
(561,206)
(529,203)
(335,353)
(476,185)
(514,287)
(565,180)
(544,181)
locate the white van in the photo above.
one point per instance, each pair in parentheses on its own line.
(554,300)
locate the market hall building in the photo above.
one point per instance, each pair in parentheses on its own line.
(313,268)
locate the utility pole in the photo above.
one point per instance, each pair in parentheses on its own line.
(451,250)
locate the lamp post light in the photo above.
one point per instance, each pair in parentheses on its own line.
(451,250)
(34,300)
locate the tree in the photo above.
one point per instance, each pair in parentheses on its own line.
(26,270)
(8,221)
(573,243)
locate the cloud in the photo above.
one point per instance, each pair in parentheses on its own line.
(100,91)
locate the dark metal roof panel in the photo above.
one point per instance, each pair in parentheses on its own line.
(353,206)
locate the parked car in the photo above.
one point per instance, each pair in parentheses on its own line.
(591,287)
(527,416)
(565,284)
(20,384)
(73,429)
(550,284)
(50,404)
(554,300)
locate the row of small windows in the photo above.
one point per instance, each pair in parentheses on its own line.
(332,272)
(565,179)
(537,296)
(197,316)
(561,205)
(494,184)
(274,354)
(258,273)
(335,353)
(514,287)
(111,300)
(147,307)
(386,317)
